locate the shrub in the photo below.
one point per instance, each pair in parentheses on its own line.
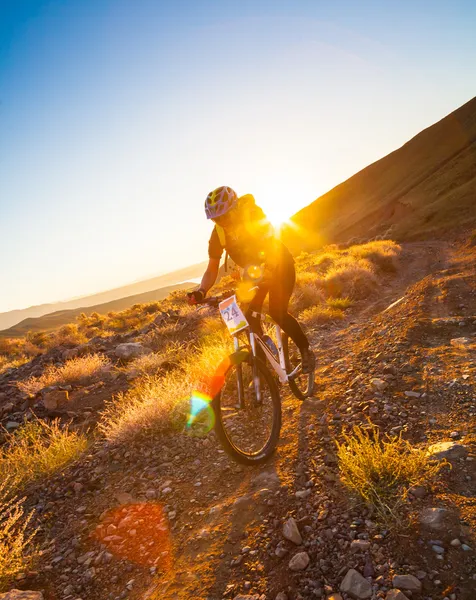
(69,335)
(37,449)
(81,369)
(383,254)
(151,364)
(16,535)
(340,303)
(354,278)
(317,315)
(158,404)
(380,471)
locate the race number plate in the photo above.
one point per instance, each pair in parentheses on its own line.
(232,315)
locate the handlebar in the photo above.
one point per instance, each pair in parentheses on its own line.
(214,301)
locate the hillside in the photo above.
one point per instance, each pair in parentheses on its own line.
(62,317)
(154,510)
(10,318)
(424,188)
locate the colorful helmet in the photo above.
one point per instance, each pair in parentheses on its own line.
(220,201)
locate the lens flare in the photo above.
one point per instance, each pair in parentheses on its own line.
(138,533)
(201,418)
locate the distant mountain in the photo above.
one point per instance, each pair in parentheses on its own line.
(62,317)
(424,188)
(10,318)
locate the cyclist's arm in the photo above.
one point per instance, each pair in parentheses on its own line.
(210,275)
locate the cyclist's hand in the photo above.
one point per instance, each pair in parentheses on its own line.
(195,297)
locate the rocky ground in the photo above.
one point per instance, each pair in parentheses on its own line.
(175,518)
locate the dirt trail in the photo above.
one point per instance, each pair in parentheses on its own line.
(230,548)
(217,526)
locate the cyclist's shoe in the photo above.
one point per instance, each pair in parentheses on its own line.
(308,361)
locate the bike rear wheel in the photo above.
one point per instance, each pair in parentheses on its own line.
(248,433)
(302,385)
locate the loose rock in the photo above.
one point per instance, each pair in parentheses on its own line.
(299,561)
(356,586)
(407,582)
(291,532)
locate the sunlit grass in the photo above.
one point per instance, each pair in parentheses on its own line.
(157,404)
(17,553)
(81,369)
(380,470)
(320,314)
(38,449)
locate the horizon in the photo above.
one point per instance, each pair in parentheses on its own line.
(108,109)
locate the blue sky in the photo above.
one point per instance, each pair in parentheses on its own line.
(117,118)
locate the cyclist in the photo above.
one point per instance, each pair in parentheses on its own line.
(242,230)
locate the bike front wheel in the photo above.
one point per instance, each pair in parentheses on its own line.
(248,430)
(301,384)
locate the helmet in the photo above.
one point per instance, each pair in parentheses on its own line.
(220,201)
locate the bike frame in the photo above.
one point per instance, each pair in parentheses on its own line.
(279,366)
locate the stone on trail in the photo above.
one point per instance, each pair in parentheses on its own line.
(356,586)
(21,595)
(448,450)
(291,532)
(54,399)
(299,561)
(129,350)
(407,582)
(395,595)
(281,596)
(461,341)
(378,384)
(359,545)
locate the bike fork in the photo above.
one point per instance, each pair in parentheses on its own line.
(239,377)
(256,379)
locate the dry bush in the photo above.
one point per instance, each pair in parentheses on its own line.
(155,362)
(158,404)
(11,363)
(317,315)
(11,346)
(350,277)
(383,254)
(80,369)
(306,292)
(37,449)
(323,262)
(340,303)
(67,335)
(380,470)
(17,553)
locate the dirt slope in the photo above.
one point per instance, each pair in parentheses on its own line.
(426,186)
(176,519)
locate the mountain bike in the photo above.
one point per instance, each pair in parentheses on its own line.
(246,402)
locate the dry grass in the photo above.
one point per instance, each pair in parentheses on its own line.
(380,470)
(316,315)
(153,363)
(81,369)
(158,404)
(11,363)
(16,534)
(37,449)
(354,278)
(306,293)
(383,254)
(340,303)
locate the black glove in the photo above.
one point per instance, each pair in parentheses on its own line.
(196,296)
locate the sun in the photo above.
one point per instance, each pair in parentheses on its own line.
(278,215)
